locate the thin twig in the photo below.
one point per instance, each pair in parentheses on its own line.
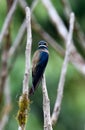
(7,21)
(7,107)
(34,4)
(67,7)
(57,106)
(46,106)
(18,39)
(23,4)
(79,32)
(55,18)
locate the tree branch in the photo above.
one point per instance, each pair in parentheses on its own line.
(24,101)
(28,51)
(57,106)
(17,41)
(4,60)
(7,21)
(34,4)
(55,19)
(46,106)
(7,107)
(79,32)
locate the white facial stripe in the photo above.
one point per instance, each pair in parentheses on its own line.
(42,45)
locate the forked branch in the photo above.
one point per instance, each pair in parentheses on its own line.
(59,97)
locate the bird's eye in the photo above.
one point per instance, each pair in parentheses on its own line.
(39,43)
(42,43)
(45,43)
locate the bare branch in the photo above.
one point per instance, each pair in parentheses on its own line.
(23,100)
(79,32)
(57,106)
(28,51)
(7,91)
(7,20)
(67,7)
(7,107)
(46,106)
(23,4)
(34,3)
(55,18)
(17,41)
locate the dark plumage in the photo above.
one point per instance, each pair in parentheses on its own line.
(39,63)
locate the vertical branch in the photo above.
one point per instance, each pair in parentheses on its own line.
(7,107)
(23,100)
(28,51)
(57,106)
(46,106)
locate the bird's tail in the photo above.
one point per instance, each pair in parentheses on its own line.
(31,91)
(33,88)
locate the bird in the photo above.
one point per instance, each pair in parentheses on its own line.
(39,63)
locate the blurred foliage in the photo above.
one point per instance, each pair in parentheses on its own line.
(72,116)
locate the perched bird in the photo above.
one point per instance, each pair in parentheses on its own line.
(39,63)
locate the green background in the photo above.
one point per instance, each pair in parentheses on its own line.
(72,114)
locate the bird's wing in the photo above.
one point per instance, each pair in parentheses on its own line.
(35,61)
(39,67)
(39,63)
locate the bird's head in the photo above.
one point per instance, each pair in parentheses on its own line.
(42,45)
